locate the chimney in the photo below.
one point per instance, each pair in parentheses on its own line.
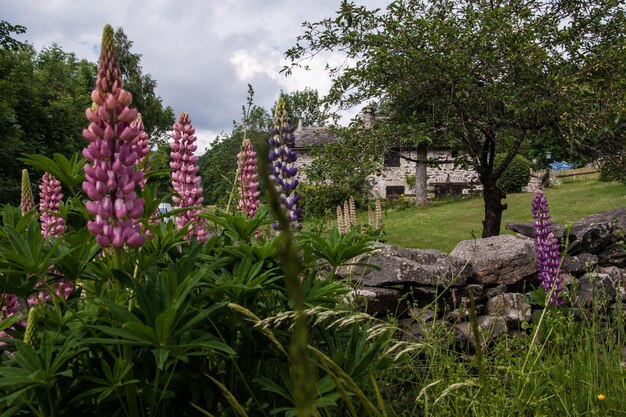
(368,117)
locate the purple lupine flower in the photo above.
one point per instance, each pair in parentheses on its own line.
(27,202)
(547,249)
(185,178)
(52,224)
(282,158)
(248,184)
(111,176)
(141,147)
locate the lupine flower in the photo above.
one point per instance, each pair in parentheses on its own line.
(27,200)
(185,178)
(340,221)
(62,289)
(378,220)
(10,305)
(111,176)
(352,206)
(52,224)
(347,217)
(248,183)
(141,147)
(282,158)
(547,249)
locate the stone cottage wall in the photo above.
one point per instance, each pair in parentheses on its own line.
(441,174)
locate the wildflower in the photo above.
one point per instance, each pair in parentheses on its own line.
(52,224)
(247,177)
(601,397)
(27,200)
(352,206)
(547,249)
(340,220)
(141,147)
(282,158)
(111,176)
(378,220)
(185,178)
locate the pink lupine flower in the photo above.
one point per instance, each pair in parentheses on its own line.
(52,224)
(111,176)
(185,178)
(247,178)
(10,305)
(141,146)
(62,289)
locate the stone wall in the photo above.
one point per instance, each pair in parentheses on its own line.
(422,287)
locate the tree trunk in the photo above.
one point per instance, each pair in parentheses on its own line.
(421,196)
(492,196)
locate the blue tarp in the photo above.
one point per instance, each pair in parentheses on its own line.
(561,166)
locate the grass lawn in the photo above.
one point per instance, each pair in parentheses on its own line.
(445,223)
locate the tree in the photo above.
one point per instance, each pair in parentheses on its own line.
(218,165)
(483,76)
(306,106)
(156,118)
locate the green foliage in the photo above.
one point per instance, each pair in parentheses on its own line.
(515,176)
(177,327)
(479,76)
(305,106)
(612,170)
(156,118)
(320,199)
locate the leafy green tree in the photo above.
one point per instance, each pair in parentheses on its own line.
(482,76)
(218,165)
(306,106)
(156,118)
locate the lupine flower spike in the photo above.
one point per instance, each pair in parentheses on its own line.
(52,224)
(340,223)
(352,205)
(185,178)
(141,147)
(111,175)
(282,158)
(248,183)
(27,201)
(547,249)
(378,220)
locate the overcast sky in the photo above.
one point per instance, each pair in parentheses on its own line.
(202,53)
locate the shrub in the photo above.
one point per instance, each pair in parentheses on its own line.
(516,175)
(320,199)
(612,171)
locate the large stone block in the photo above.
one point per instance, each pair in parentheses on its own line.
(403,266)
(504,259)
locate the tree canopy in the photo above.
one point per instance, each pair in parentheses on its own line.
(43,97)
(483,76)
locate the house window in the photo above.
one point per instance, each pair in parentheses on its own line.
(394,191)
(392,159)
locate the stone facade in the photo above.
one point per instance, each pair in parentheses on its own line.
(443,177)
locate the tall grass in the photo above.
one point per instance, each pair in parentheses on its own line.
(572,369)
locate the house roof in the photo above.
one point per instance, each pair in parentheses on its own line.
(307,137)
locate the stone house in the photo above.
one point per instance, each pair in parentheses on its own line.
(443,178)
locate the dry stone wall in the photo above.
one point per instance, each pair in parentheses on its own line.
(424,287)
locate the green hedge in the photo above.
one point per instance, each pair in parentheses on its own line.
(317,200)
(516,175)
